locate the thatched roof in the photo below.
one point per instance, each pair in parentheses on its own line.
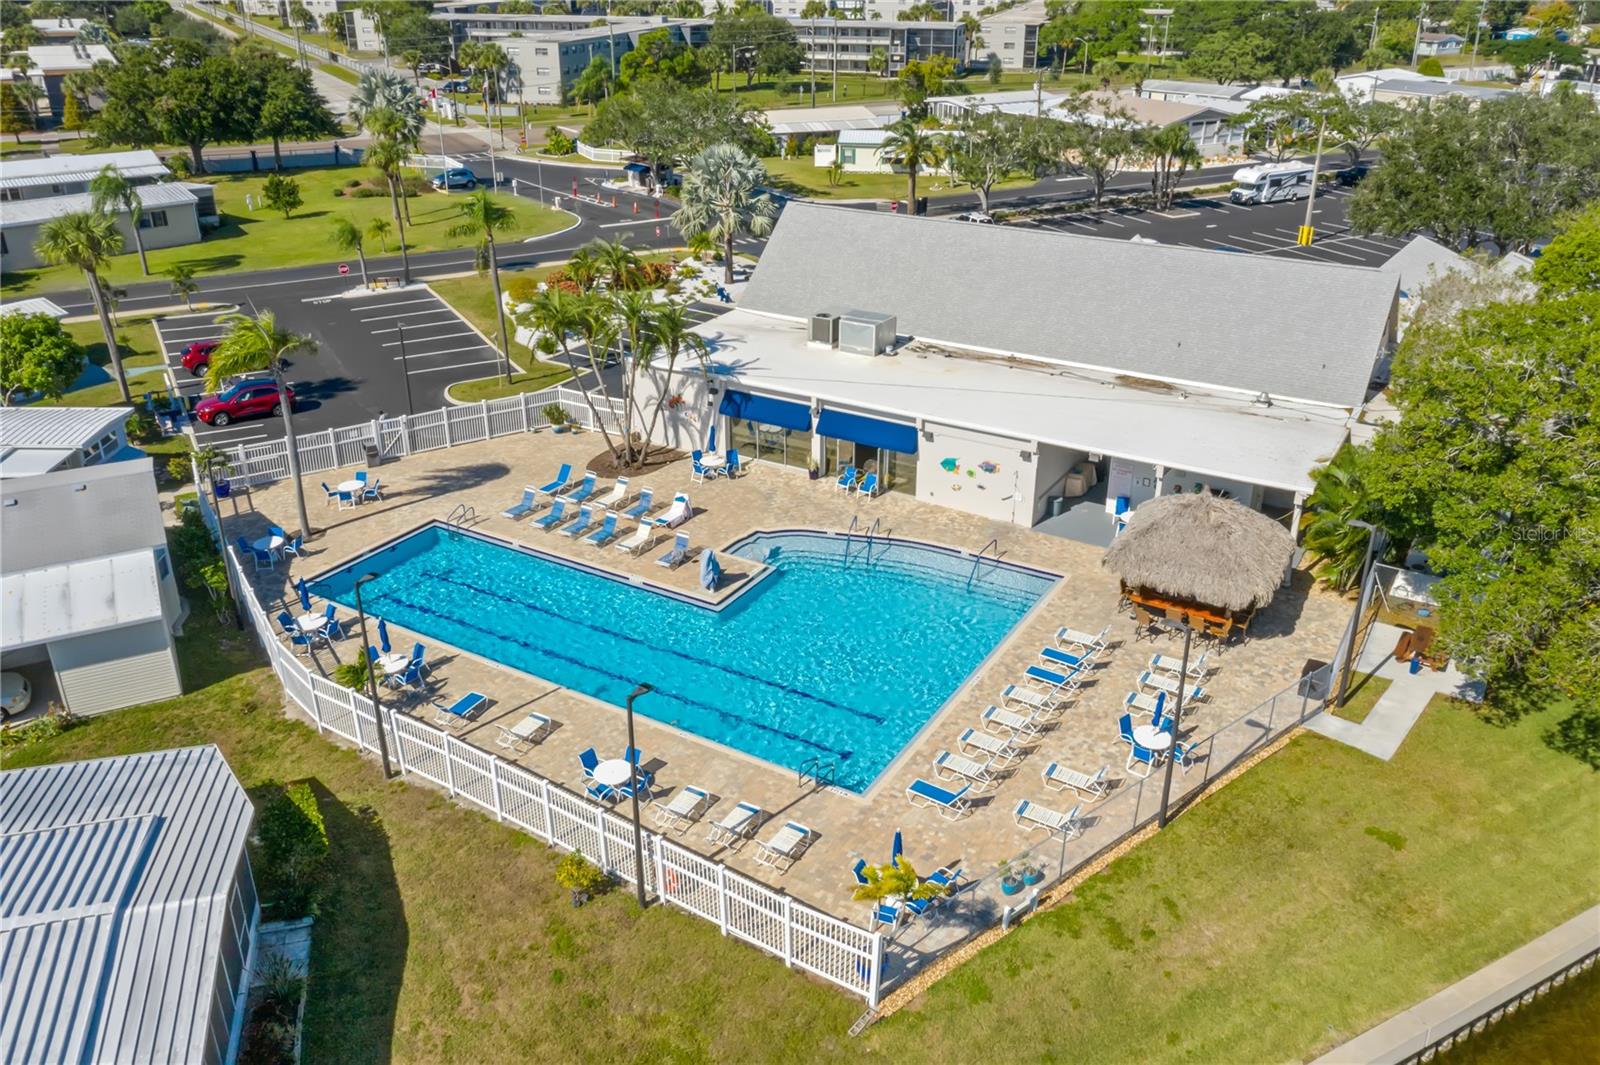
(1203,549)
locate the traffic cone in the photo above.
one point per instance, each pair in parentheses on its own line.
(613,199)
(635,206)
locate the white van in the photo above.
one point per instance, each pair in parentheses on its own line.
(1271,183)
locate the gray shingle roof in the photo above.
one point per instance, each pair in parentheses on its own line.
(115,877)
(1296,330)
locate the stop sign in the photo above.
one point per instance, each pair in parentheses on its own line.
(344,268)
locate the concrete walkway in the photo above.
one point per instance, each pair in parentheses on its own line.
(1407,1034)
(1390,721)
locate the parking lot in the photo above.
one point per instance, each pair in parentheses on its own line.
(1216,224)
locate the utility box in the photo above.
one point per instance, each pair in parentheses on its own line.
(825,329)
(866,332)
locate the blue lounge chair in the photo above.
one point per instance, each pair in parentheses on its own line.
(553,517)
(606,533)
(1065,659)
(1047,679)
(563,475)
(868,486)
(950,804)
(857,869)
(642,507)
(847,480)
(584,489)
(679,551)
(524,508)
(886,914)
(1125,729)
(581,526)
(460,711)
(383,636)
(946,878)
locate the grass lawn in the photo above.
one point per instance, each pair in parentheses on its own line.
(136,342)
(800,177)
(1363,697)
(543,375)
(1551,1030)
(263,239)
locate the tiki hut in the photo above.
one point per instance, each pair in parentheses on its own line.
(1198,558)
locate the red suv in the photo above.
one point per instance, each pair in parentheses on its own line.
(197,356)
(244,400)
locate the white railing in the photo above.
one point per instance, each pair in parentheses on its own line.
(405,434)
(603,155)
(802,936)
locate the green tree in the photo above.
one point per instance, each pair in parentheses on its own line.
(37,356)
(14,116)
(914,147)
(1096,139)
(674,336)
(752,40)
(1170,151)
(923,78)
(878,62)
(379,229)
(385,99)
(814,9)
(110,193)
(1339,498)
(181,278)
(724,195)
(1431,67)
(600,332)
(292,108)
(1570,264)
(557,315)
(1503,169)
(85,240)
(386,154)
(619,263)
(636,314)
(990,147)
(1229,56)
(481,217)
(347,236)
(594,83)
(1356,125)
(663,122)
(252,344)
(281,193)
(72,109)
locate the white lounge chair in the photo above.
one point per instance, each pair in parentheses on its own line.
(1140,701)
(785,846)
(1040,703)
(1014,724)
(1031,815)
(684,809)
(524,734)
(679,551)
(736,825)
(638,541)
(524,508)
(1059,778)
(1000,750)
(1090,641)
(950,804)
(950,766)
(615,497)
(1174,665)
(1166,682)
(677,513)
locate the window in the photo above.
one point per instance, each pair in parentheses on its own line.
(847,156)
(153,219)
(543,72)
(1009,45)
(544,90)
(541,51)
(10,194)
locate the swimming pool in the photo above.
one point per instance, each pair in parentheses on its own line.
(827,654)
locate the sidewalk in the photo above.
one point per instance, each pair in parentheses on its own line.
(1390,721)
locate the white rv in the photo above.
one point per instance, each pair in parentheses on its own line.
(1271,183)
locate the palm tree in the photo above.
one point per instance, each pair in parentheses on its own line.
(618,262)
(480,217)
(600,331)
(252,344)
(556,314)
(722,196)
(584,268)
(347,237)
(910,146)
(384,98)
(385,154)
(86,239)
(493,62)
(1338,499)
(111,193)
(1171,153)
(700,245)
(380,228)
(181,275)
(674,337)
(636,314)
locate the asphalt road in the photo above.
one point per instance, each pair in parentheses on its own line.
(1215,224)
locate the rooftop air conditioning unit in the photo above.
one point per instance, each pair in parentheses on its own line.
(866,332)
(825,329)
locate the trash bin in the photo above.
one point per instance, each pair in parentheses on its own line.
(374,456)
(1057,506)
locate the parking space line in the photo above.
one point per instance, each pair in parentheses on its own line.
(1323,249)
(455,366)
(452,320)
(406,314)
(400,303)
(1133,218)
(436,336)
(445,351)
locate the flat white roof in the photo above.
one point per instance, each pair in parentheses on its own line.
(51,427)
(68,168)
(33,212)
(30,462)
(78,598)
(36,305)
(1210,433)
(55,58)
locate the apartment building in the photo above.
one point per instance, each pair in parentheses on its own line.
(1013,35)
(848,45)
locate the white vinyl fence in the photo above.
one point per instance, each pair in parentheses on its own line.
(603,155)
(803,937)
(396,437)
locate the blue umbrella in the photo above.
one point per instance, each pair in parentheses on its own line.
(711,441)
(305,596)
(383,636)
(710,571)
(1161,703)
(896,850)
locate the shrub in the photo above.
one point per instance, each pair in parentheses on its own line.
(142,426)
(178,468)
(411,185)
(655,273)
(559,143)
(291,848)
(195,556)
(274,1015)
(56,720)
(353,183)
(179,164)
(522,288)
(582,877)
(1431,67)
(366,192)
(352,675)
(555,414)
(338,192)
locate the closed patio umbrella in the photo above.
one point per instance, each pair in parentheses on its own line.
(305,596)
(383,636)
(897,849)
(710,571)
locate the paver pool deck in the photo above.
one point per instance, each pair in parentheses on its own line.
(1302,623)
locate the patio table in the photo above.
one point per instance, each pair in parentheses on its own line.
(613,772)
(353,486)
(392,664)
(1151,738)
(713,460)
(269,544)
(309,623)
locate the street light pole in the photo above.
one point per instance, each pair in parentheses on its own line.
(372,680)
(633,769)
(1177,719)
(1355,620)
(405,368)
(1085,41)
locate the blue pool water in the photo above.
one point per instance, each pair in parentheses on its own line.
(842,657)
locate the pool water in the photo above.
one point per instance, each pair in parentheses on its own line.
(832,654)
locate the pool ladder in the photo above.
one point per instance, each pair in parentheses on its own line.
(823,772)
(978,559)
(460,515)
(870,533)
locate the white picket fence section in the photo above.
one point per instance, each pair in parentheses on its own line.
(603,155)
(803,937)
(397,437)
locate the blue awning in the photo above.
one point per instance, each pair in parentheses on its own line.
(873,432)
(765,410)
